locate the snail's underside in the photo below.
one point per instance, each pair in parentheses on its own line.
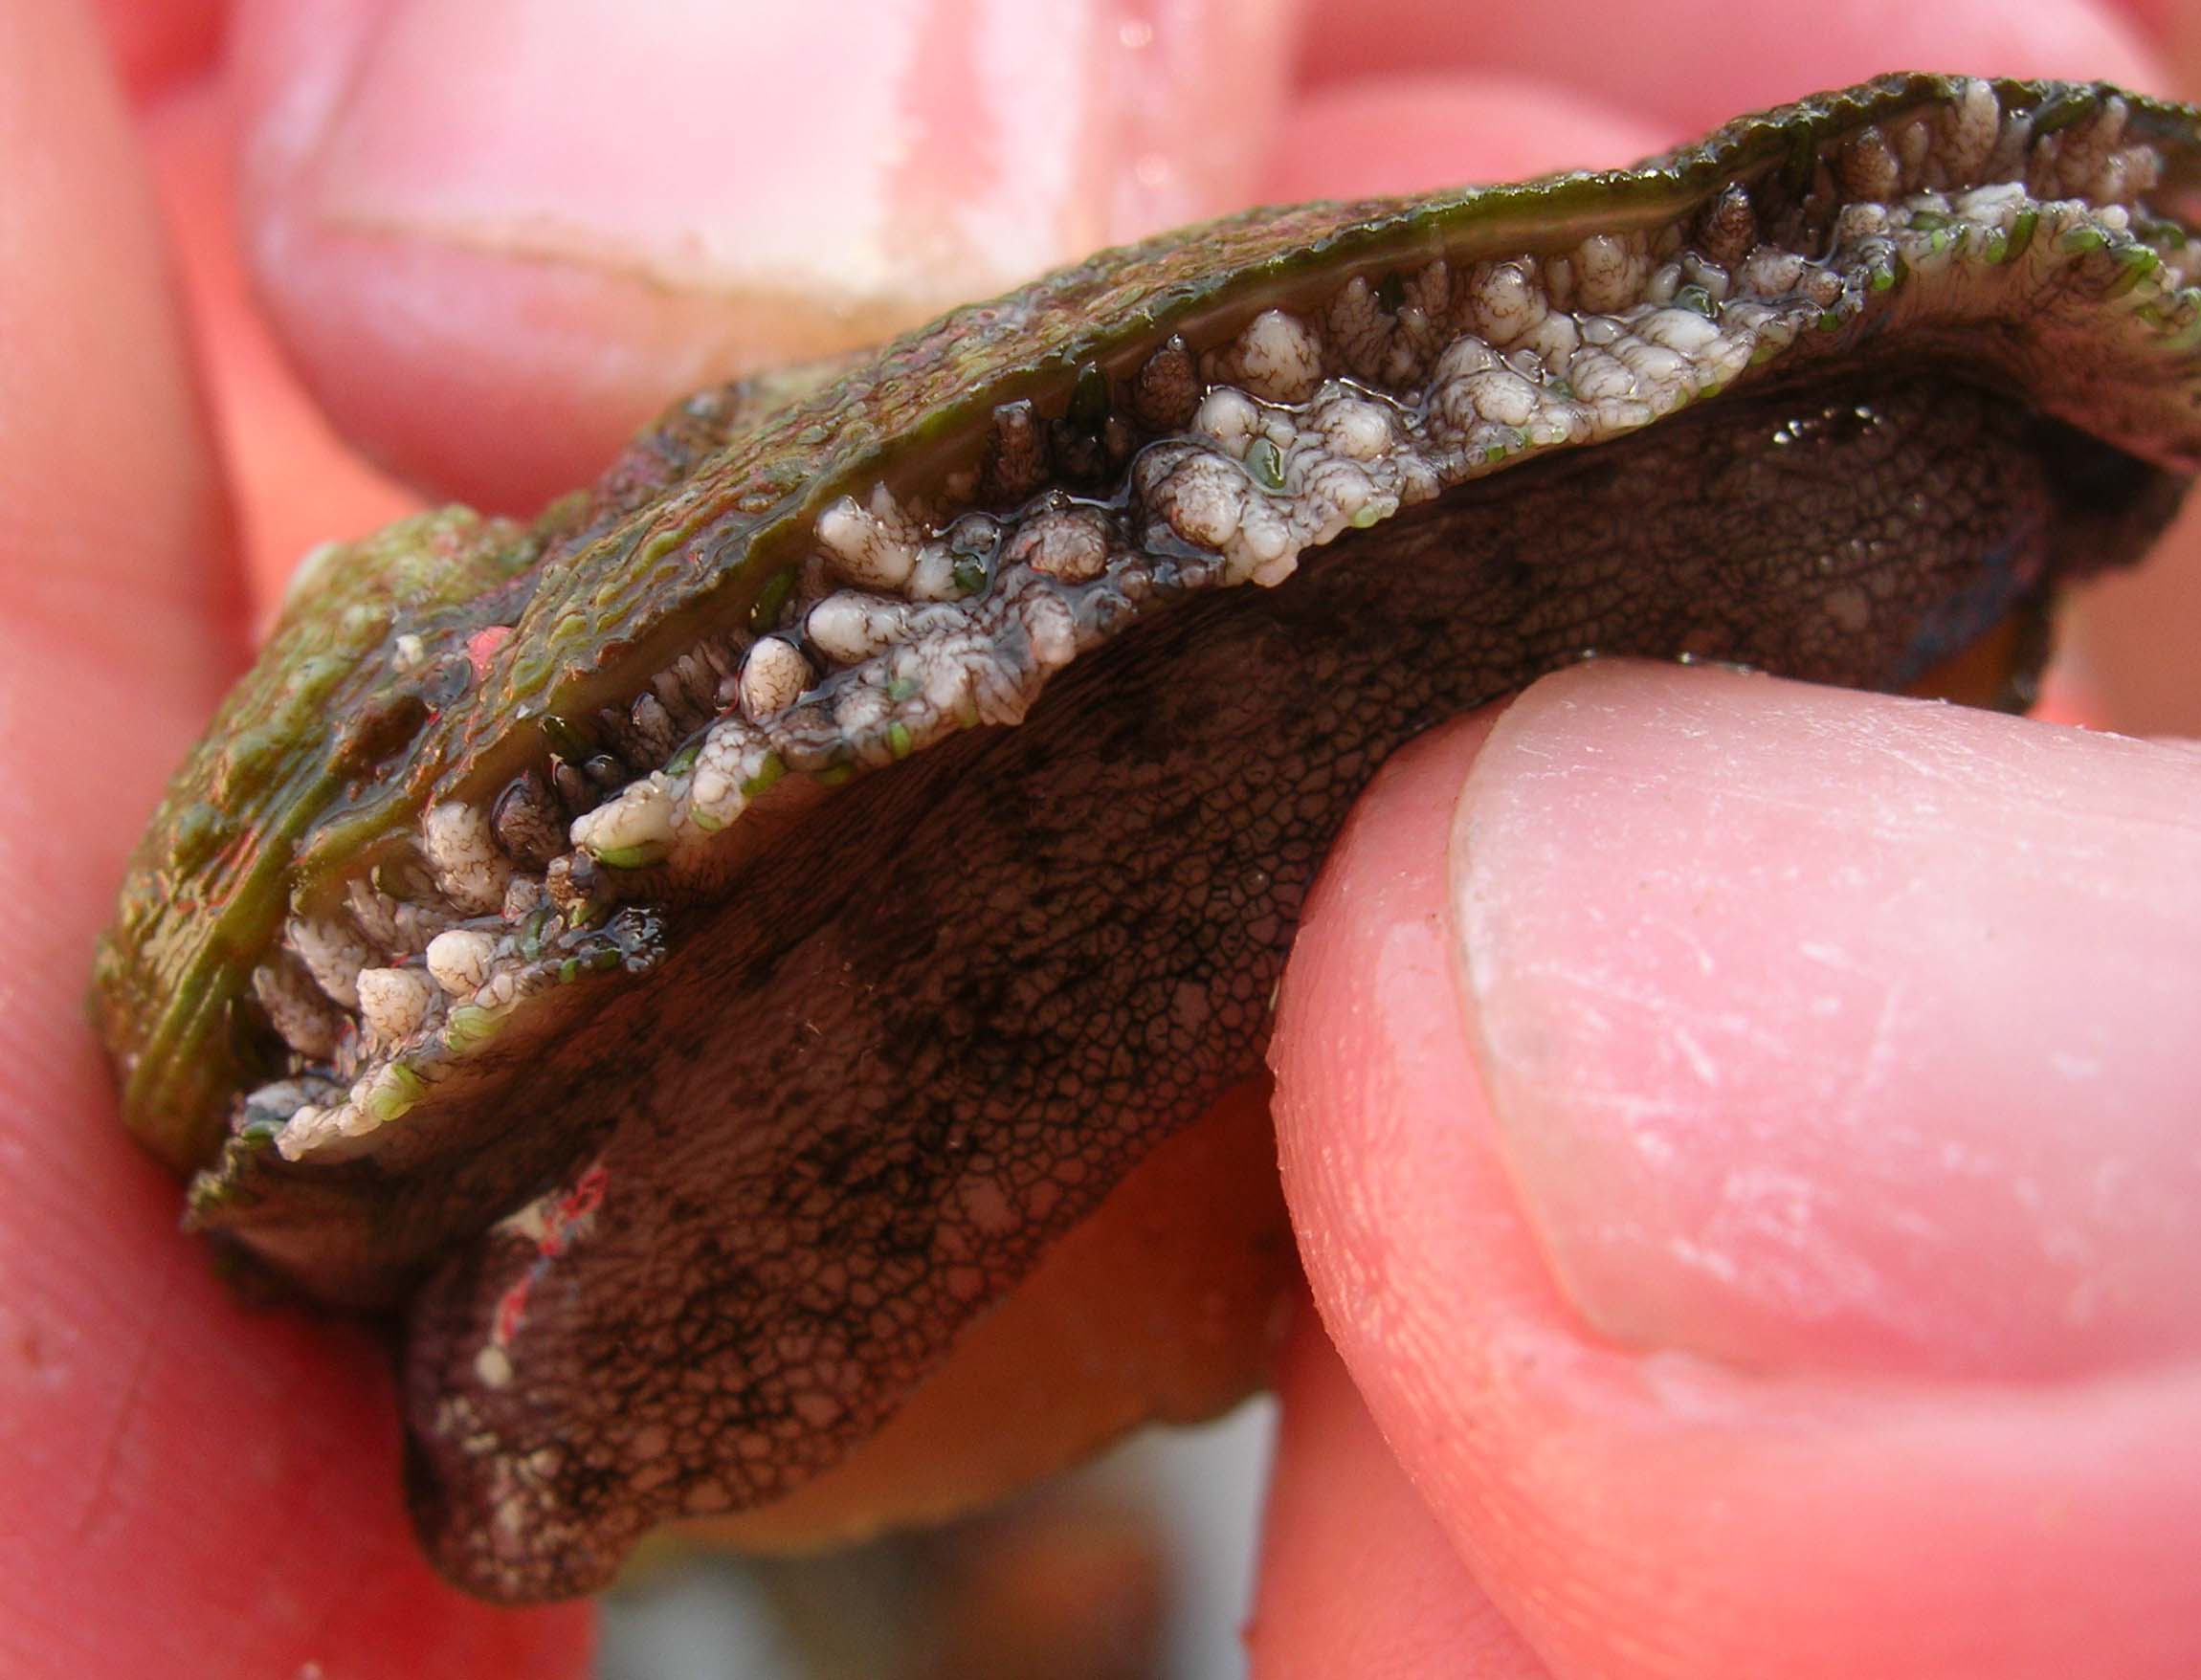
(694,1106)
(1010,969)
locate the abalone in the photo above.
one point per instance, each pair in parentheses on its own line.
(690,959)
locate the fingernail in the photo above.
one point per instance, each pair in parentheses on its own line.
(1838,1031)
(859,177)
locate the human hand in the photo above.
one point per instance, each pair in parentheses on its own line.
(198,1480)
(1741,1142)
(186,1486)
(1740,1137)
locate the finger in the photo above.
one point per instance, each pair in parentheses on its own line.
(298,484)
(1408,132)
(497,236)
(1691,64)
(1356,1575)
(2164,24)
(2130,637)
(186,1484)
(1796,1278)
(156,43)
(2128,659)
(113,528)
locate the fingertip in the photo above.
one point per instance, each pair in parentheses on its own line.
(1407,131)
(1802,1054)
(298,484)
(123,608)
(491,280)
(1648,1509)
(1356,1575)
(159,44)
(1344,1038)
(1691,64)
(2131,636)
(109,480)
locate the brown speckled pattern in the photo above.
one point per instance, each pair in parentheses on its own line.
(1001,976)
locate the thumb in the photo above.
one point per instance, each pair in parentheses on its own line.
(1743,1139)
(498,236)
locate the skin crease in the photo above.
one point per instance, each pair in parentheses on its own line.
(184,1477)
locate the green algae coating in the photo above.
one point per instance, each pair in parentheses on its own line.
(696,530)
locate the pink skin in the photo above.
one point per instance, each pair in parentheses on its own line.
(706,180)
(1731,1363)
(1689,64)
(189,1487)
(1753,1273)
